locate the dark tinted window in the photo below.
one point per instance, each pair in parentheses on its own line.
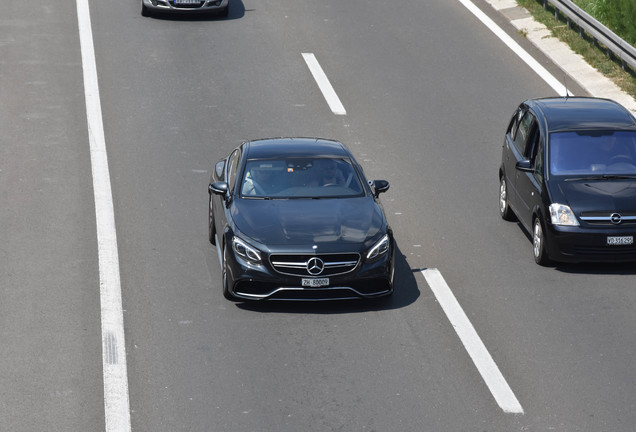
(539,159)
(232,167)
(219,170)
(593,152)
(514,123)
(532,143)
(300,178)
(523,132)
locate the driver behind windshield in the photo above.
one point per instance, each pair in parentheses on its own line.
(611,151)
(326,172)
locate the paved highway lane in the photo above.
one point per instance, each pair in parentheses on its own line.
(188,347)
(427,91)
(50,373)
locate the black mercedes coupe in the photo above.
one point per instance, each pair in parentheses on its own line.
(295,219)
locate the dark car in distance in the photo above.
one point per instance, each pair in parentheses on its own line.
(186,7)
(295,219)
(568,174)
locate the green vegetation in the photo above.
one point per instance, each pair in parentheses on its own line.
(619,13)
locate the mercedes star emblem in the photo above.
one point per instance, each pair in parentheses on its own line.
(315,266)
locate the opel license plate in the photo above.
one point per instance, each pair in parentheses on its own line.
(620,240)
(316,283)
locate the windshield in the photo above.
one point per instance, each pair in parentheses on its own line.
(300,178)
(593,153)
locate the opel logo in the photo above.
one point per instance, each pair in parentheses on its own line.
(315,266)
(615,218)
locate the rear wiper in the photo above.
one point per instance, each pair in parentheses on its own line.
(603,177)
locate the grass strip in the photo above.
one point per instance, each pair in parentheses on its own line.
(581,43)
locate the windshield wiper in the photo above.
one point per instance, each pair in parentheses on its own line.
(604,177)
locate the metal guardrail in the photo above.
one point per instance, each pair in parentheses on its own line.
(620,48)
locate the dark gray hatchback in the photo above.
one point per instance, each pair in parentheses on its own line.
(568,174)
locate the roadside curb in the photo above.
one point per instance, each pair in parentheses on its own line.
(594,82)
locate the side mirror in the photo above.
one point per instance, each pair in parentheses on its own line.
(525,166)
(218,188)
(380,186)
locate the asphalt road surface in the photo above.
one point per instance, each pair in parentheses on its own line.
(428,91)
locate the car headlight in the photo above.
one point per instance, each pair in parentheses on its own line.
(560,214)
(380,248)
(245,251)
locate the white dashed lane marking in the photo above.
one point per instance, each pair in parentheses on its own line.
(476,349)
(323,83)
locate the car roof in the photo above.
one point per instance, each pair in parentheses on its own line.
(583,113)
(295,147)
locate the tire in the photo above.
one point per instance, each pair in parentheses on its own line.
(223,13)
(211,227)
(538,243)
(226,289)
(505,211)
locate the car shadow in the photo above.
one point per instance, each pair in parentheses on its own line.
(237,11)
(405,292)
(626,268)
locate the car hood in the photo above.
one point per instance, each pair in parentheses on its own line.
(599,195)
(308,222)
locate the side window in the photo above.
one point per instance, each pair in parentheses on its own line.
(538,158)
(523,132)
(219,170)
(514,123)
(530,149)
(232,166)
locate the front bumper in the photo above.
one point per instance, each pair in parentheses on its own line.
(262,282)
(584,244)
(171,6)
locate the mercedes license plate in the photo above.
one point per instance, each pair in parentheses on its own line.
(186,2)
(316,283)
(620,240)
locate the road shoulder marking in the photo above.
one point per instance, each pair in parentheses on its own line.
(516,48)
(115,374)
(477,351)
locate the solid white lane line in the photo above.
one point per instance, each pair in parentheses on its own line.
(516,48)
(323,83)
(116,402)
(477,351)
